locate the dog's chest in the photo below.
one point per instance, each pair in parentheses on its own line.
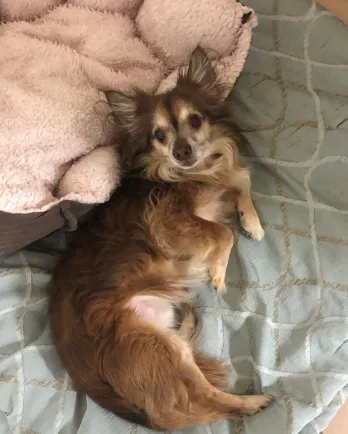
(209,206)
(210,211)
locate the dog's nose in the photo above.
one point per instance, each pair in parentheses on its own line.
(183,153)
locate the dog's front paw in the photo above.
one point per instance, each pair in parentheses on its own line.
(217,277)
(251,226)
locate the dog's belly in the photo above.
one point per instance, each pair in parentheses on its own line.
(157,310)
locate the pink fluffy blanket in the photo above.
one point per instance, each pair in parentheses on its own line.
(55,137)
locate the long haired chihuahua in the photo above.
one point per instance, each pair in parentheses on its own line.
(120,312)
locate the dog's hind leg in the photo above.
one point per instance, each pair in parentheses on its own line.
(157,373)
(206,403)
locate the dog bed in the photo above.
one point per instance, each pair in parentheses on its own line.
(283,325)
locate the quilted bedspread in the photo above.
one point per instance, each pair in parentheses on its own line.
(283,325)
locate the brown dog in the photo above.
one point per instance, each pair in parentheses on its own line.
(117,296)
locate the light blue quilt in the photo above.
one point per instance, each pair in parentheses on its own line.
(284,323)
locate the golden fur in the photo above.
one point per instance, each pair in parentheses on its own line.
(120,311)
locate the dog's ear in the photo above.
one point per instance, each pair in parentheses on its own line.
(200,70)
(132,114)
(124,108)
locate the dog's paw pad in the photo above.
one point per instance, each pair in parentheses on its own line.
(221,290)
(245,233)
(217,278)
(257,403)
(251,227)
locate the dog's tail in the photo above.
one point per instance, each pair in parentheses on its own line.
(188,328)
(214,371)
(107,398)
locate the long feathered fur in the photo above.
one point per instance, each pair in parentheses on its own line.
(121,316)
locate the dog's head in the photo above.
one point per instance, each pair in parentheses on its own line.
(185,132)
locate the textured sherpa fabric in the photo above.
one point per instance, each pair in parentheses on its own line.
(55,135)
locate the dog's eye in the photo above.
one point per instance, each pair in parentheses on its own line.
(195,121)
(159,135)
